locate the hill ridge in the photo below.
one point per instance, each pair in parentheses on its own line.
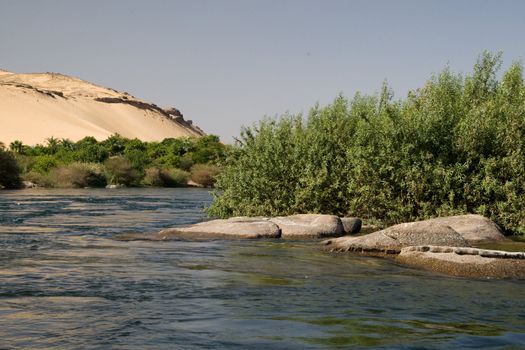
(36,106)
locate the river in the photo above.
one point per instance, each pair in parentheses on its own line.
(67,283)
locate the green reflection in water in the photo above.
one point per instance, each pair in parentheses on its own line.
(369,332)
(509,246)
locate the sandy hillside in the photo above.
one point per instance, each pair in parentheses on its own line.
(34,107)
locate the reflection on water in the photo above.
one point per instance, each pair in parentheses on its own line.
(65,283)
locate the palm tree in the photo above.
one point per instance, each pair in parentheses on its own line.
(16,146)
(52,144)
(67,144)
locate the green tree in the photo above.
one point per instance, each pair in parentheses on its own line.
(17,147)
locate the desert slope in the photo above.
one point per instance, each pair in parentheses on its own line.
(36,106)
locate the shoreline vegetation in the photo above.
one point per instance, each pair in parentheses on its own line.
(114,162)
(454,146)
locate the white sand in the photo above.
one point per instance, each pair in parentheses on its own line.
(32,116)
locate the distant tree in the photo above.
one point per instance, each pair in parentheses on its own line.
(91,153)
(52,145)
(16,147)
(115,144)
(67,144)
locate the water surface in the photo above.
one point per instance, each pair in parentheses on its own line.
(65,283)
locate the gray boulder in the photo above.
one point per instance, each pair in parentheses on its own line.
(351,225)
(391,240)
(474,228)
(233,228)
(303,226)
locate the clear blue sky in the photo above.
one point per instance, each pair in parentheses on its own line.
(228,63)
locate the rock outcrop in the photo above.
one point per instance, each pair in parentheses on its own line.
(233,228)
(303,226)
(309,226)
(441,245)
(391,240)
(474,228)
(465,262)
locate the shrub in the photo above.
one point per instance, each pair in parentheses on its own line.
(152,177)
(174,177)
(78,175)
(204,174)
(9,170)
(454,146)
(91,153)
(121,172)
(42,180)
(44,163)
(185,162)
(165,177)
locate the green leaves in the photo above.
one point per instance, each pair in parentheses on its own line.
(456,145)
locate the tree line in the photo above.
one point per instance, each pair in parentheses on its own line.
(114,161)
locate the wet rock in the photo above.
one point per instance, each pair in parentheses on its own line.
(391,240)
(233,228)
(303,226)
(465,262)
(115,186)
(351,225)
(474,228)
(28,184)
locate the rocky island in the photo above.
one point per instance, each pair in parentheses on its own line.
(450,245)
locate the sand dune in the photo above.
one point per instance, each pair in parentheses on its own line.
(34,107)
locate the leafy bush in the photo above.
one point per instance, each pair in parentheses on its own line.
(204,174)
(9,171)
(456,145)
(121,172)
(174,177)
(78,175)
(165,177)
(152,177)
(185,162)
(44,163)
(42,180)
(91,153)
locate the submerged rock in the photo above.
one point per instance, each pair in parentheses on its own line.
(465,262)
(391,240)
(233,228)
(351,225)
(309,226)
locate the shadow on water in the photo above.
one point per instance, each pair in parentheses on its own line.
(65,282)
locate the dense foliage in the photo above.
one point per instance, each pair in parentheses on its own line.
(116,160)
(454,146)
(9,171)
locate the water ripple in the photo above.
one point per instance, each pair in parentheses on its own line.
(66,283)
